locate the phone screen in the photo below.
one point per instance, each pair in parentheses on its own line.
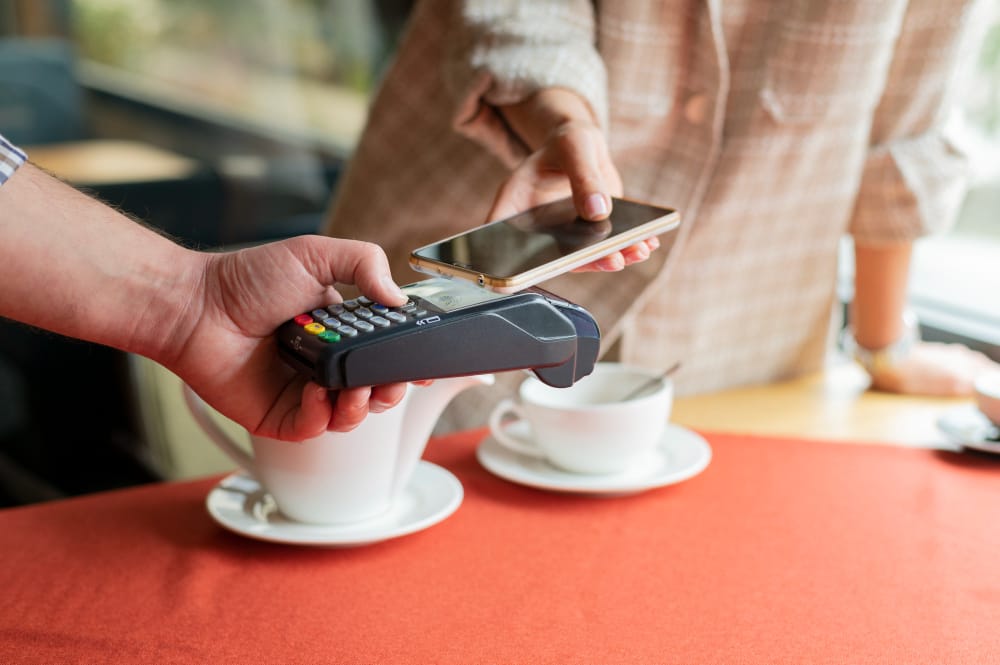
(537,237)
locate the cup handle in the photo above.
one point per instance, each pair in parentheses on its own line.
(218,436)
(507,407)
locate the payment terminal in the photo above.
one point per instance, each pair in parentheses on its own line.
(446,328)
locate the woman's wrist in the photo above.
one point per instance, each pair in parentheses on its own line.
(875,361)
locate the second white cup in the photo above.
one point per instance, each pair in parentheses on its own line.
(590,427)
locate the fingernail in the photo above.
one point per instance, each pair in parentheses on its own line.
(595,206)
(378,407)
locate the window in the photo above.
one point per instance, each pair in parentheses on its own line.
(956,277)
(297,68)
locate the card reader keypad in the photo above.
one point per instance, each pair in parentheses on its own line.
(443,329)
(353,317)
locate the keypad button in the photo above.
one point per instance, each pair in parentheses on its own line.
(329,336)
(303,319)
(381,322)
(379,308)
(319,314)
(347,331)
(314,328)
(330,323)
(351,304)
(363,313)
(364,326)
(408,307)
(364,300)
(347,317)
(335,309)
(395,316)
(420,312)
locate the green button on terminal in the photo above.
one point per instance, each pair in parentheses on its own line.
(329,336)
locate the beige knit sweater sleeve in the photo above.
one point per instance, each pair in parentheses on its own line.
(502,52)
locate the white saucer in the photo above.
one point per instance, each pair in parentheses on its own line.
(680,455)
(240,504)
(970,428)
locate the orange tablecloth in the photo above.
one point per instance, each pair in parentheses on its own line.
(781,551)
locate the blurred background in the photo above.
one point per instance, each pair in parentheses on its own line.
(225,122)
(220,122)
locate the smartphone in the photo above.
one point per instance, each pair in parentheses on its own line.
(512,254)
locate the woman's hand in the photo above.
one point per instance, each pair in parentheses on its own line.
(569,158)
(935,369)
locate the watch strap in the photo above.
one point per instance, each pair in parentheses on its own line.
(876,361)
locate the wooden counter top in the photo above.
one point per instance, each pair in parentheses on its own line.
(834,404)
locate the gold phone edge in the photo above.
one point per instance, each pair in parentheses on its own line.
(514,283)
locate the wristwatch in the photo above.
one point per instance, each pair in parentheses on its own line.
(876,361)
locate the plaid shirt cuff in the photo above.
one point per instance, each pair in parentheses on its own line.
(10,158)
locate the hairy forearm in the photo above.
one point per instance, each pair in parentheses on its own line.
(72,265)
(880,286)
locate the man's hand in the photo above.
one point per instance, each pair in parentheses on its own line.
(230,357)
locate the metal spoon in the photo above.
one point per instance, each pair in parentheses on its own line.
(646,385)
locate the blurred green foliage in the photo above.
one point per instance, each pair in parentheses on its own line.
(336,41)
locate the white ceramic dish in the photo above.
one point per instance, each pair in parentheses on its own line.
(970,428)
(239,504)
(680,455)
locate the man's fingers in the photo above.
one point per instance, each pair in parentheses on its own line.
(386,396)
(350,409)
(312,416)
(331,260)
(372,275)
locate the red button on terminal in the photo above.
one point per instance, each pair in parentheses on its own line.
(303,319)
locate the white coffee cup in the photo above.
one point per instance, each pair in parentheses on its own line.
(342,477)
(987,389)
(589,427)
